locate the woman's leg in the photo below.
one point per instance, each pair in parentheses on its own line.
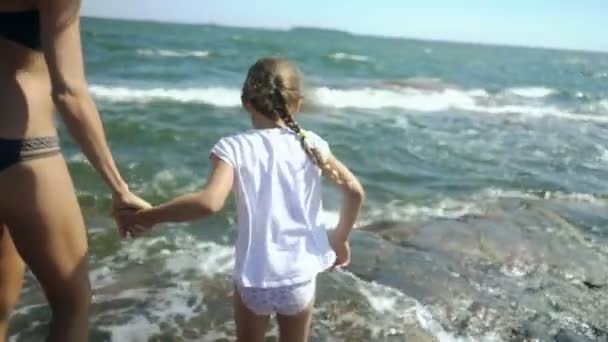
(250,327)
(43,216)
(12,269)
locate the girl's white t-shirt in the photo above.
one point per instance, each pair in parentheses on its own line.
(280,240)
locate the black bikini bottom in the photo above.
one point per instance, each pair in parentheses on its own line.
(13,151)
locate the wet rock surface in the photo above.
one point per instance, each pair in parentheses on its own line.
(523,269)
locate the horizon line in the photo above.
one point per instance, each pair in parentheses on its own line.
(338,30)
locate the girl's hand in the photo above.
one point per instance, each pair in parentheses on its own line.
(123,203)
(341,247)
(130,223)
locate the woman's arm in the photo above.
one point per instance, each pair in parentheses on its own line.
(60,33)
(188,207)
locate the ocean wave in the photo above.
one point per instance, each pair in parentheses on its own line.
(601,75)
(408,98)
(597,107)
(494,193)
(391,302)
(419,83)
(348,57)
(435,101)
(539,112)
(181,259)
(531,92)
(576,61)
(473,205)
(475,100)
(480,93)
(215,96)
(172,53)
(576,197)
(394,303)
(184,260)
(445,209)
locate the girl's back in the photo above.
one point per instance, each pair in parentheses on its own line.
(275,171)
(278,187)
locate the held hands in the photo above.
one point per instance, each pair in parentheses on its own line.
(131,223)
(125,207)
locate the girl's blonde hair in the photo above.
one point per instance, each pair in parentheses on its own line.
(273,89)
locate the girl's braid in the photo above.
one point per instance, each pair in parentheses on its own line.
(266,91)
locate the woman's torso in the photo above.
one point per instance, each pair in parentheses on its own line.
(26,109)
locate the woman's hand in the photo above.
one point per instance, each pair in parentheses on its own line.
(123,204)
(131,223)
(128,200)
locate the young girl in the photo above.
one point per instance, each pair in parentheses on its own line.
(275,170)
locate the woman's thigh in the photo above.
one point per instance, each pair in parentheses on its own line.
(40,208)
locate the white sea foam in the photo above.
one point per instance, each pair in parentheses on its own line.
(576,197)
(576,60)
(181,300)
(601,75)
(599,107)
(481,93)
(138,328)
(494,193)
(445,209)
(475,100)
(473,205)
(531,92)
(393,303)
(349,57)
(537,112)
(172,53)
(182,258)
(102,276)
(215,96)
(370,98)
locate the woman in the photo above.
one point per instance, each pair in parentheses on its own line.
(41,70)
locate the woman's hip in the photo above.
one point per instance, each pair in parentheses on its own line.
(15,151)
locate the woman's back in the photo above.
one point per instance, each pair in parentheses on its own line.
(26,108)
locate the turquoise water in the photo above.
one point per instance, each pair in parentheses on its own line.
(484,168)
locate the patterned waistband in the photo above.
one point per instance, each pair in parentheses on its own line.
(42,143)
(38,147)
